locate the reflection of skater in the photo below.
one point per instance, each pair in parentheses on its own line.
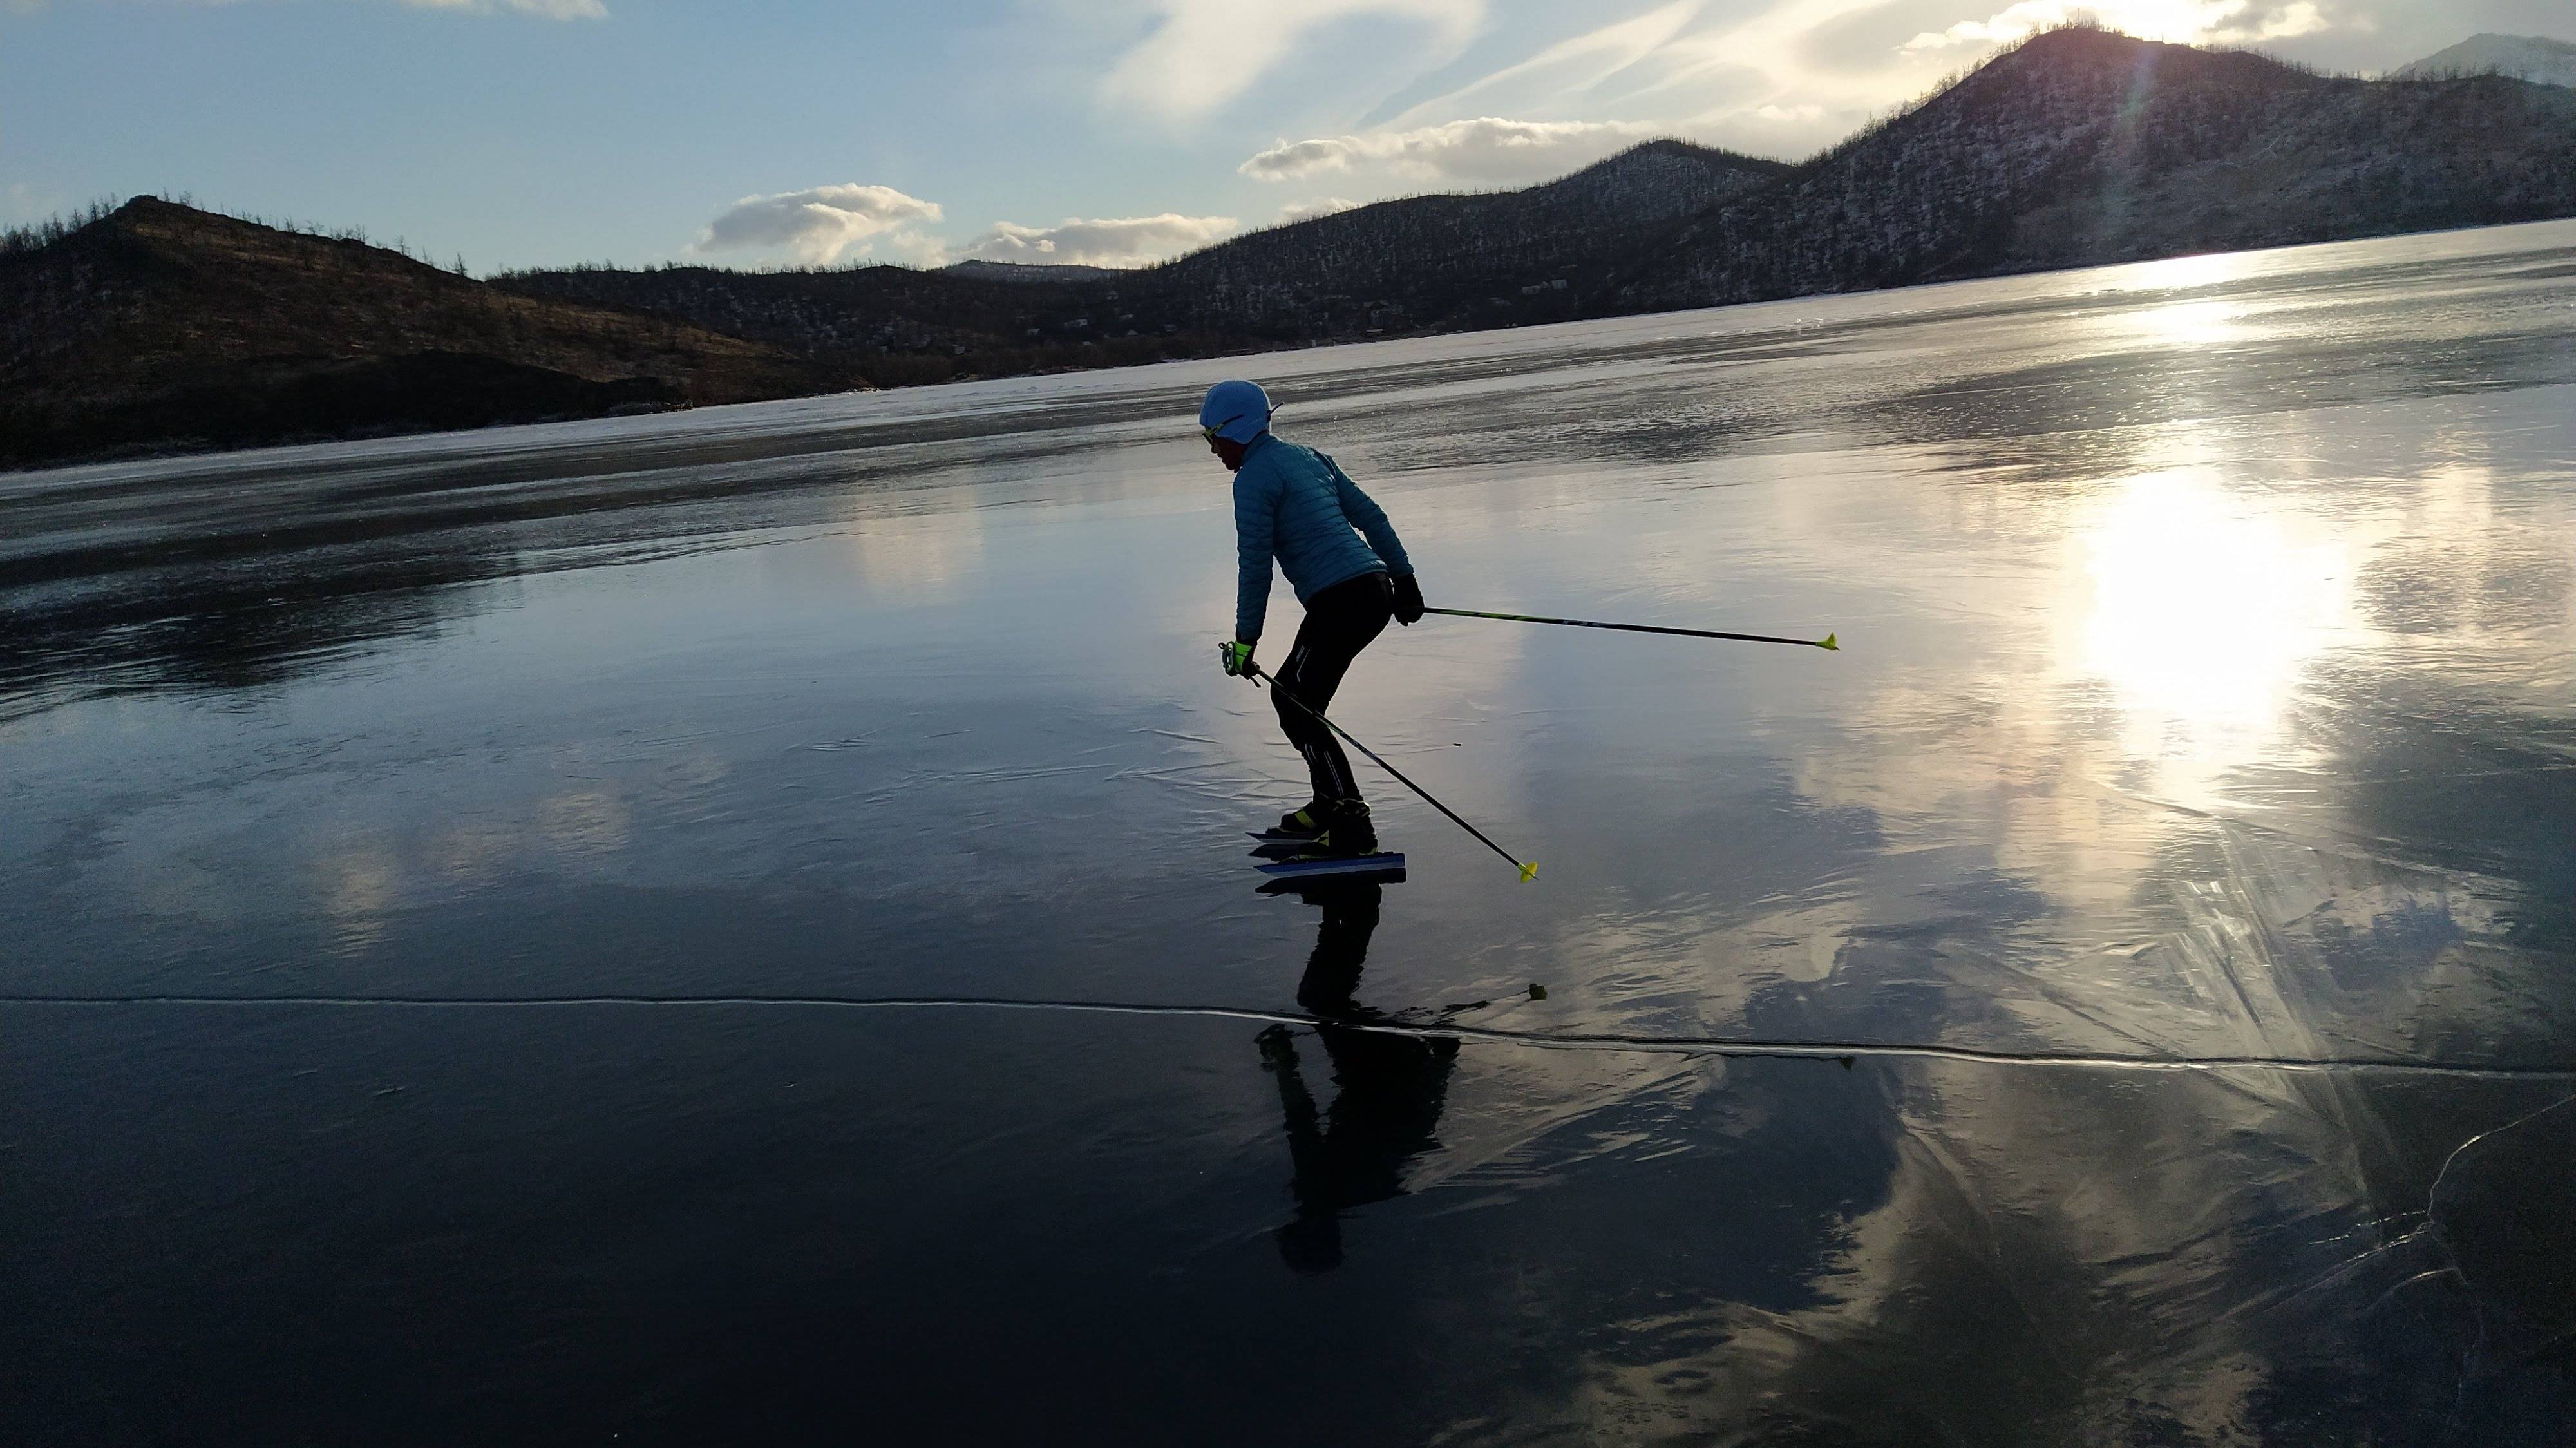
(1391,1086)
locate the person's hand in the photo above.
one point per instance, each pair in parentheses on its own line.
(1236,655)
(1408,601)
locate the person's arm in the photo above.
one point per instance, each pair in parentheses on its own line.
(1256,515)
(1370,519)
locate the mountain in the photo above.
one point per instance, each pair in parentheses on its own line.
(2524,57)
(2083,146)
(161,326)
(1021,271)
(1425,262)
(2078,147)
(896,326)
(1445,261)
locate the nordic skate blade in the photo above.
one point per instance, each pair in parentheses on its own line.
(1386,864)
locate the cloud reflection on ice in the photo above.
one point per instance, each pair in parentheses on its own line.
(2194,701)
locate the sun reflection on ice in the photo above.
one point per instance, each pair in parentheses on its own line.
(2183,273)
(2200,611)
(2187,324)
(2184,322)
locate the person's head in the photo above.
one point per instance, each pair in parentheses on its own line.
(1231,416)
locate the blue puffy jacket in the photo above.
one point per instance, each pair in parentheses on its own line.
(1298,504)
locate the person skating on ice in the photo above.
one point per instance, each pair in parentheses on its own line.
(1339,552)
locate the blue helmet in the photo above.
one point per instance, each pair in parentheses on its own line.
(1235,411)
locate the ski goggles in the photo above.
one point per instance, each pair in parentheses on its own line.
(1212,433)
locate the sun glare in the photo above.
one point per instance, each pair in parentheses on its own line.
(2187,22)
(2180,273)
(2202,610)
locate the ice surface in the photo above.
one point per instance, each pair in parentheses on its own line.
(2207,690)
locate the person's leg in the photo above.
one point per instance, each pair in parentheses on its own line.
(1340,621)
(1332,976)
(1312,741)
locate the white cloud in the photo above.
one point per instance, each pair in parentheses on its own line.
(819,225)
(1203,53)
(1320,206)
(1122,241)
(2187,22)
(1778,77)
(1577,64)
(1488,149)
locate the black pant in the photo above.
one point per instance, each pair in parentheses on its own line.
(1340,621)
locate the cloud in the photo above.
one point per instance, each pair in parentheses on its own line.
(817,226)
(1122,242)
(1871,37)
(2188,22)
(1309,210)
(1578,64)
(1779,77)
(1203,53)
(1486,149)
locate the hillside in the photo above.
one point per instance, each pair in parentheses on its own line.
(1021,271)
(162,326)
(2082,147)
(1446,261)
(2524,57)
(1425,262)
(893,325)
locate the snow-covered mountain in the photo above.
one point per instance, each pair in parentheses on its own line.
(2084,146)
(2078,147)
(2524,57)
(1450,260)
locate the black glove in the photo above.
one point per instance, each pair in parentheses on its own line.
(1408,600)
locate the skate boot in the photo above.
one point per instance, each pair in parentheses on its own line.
(1302,824)
(1346,831)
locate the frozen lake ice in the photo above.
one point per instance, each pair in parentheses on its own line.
(736,925)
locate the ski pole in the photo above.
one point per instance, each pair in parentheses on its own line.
(1528,869)
(1827,642)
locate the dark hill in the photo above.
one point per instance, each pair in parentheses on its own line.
(894,325)
(1021,271)
(2078,147)
(162,326)
(2082,146)
(1422,262)
(1445,260)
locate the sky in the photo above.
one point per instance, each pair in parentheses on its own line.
(521,133)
